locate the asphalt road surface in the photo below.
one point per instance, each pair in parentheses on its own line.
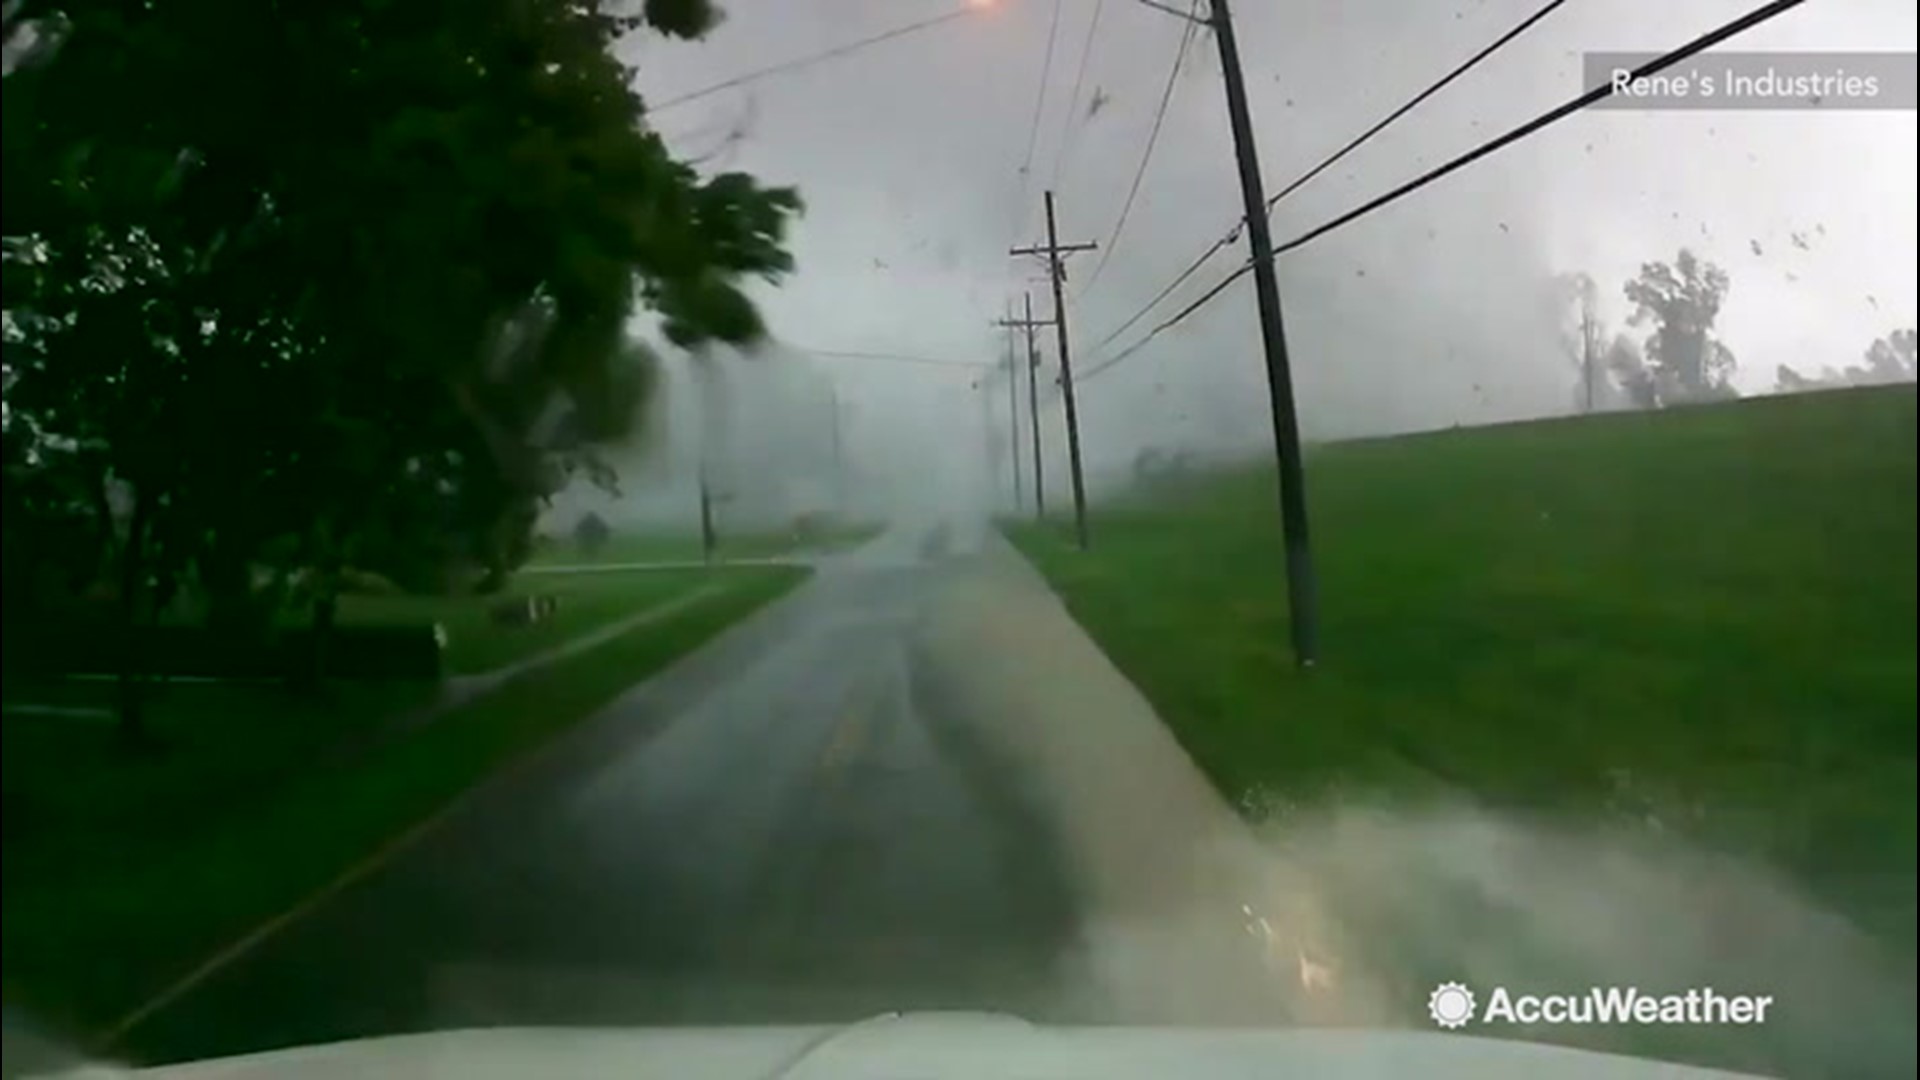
(915,784)
(788,826)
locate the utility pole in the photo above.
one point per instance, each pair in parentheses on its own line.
(1013,415)
(989,439)
(1033,414)
(839,455)
(706,518)
(1057,274)
(1302,591)
(1030,325)
(710,431)
(1587,327)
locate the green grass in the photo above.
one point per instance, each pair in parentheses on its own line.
(91,932)
(1715,603)
(668,546)
(476,643)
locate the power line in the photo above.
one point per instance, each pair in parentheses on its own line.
(1403,110)
(896,357)
(1219,287)
(1146,155)
(1234,234)
(808,61)
(1192,268)
(1604,90)
(1039,110)
(1073,99)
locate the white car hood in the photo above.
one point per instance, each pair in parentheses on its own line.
(937,1046)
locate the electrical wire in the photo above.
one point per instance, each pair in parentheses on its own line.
(896,357)
(803,62)
(1146,155)
(1234,234)
(1033,129)
(1469,64)
(1604,90)
(1218,288)
(1067,126)
(1192,268)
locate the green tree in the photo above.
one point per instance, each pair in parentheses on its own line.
(591,534)
(1889,360)
(1681,300)
(1628,369)
(351,276)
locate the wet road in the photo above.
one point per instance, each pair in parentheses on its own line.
(786,827)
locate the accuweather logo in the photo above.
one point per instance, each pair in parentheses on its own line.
(1453,1006)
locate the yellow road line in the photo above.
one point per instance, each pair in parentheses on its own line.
(850,730)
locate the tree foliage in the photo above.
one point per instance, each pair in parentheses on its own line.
(591,533)
(319,285)
(1889,360)
(1628,368)
(1681,300)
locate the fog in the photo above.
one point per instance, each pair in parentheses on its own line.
(1432,312)
(779,433)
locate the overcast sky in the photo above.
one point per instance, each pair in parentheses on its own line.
(1431,312)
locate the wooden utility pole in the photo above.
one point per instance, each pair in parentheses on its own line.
(1030,325)
(1302,591)
(1033,414)
(1588,328)
(1013,414)
(707,537)
(1057,274)
(839,455)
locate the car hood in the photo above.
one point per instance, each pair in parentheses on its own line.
(938,1046)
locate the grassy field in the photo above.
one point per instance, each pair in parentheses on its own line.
(1705,614)
(126,871)
(477,643)
(641,547)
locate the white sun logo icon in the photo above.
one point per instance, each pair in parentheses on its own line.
(1450,1005)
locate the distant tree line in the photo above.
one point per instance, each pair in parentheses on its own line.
(297,290)
(1888,360)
